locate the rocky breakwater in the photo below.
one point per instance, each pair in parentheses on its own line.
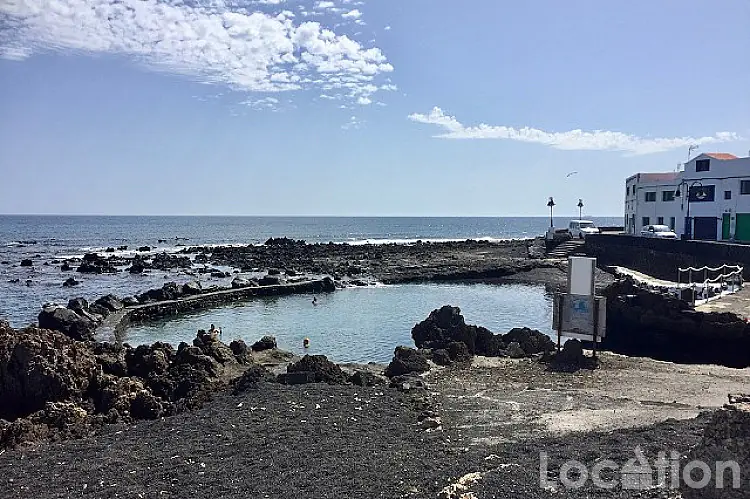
(53,386)
(389,263)
(645,323)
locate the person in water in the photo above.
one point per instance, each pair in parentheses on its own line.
(214,332)
(315,300)
(306,342)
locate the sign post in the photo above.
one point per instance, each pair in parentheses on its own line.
(579,313)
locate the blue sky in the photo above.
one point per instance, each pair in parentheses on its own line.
(384,107)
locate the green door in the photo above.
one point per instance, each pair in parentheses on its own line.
(742,232)
(725,224)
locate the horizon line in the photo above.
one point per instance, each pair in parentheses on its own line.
(563,215)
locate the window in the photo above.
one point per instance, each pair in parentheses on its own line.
(667,195)
(727,194)
(650,197)
(745,187)
(672,222)
(659,220)
(702,165)
(702,193)
(646,221)
(627,191)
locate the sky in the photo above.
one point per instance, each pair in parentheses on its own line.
(349,107)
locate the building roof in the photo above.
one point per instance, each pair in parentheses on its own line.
(658,177)
(720,155)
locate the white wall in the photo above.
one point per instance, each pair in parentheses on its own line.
(724,175)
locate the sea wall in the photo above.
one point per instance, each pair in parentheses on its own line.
(116,323)
(644,323)
(662,257)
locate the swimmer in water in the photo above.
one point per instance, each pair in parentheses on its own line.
(315,300)
(306,342)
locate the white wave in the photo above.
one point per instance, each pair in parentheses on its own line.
(410,241)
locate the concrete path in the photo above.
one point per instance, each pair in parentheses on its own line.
(642,278)
(737,303)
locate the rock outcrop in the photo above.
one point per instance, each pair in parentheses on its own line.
(316,368)
(726,439)
(53,386)
(446,325)
(67,321)
(265,343)
(406,361)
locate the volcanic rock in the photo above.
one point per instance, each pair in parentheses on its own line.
(441,357)
(39,366)
(530,340)
(192,288)
(241,351)
(250,379)
(458,352)
(66,321)
(110,302)
(365,378)
(26,262)
(324,371)
(70,282)
(265,343)
(269,280)
(406,360)
(515,351)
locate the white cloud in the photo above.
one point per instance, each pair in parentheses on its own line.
(387,28)
(352,124)
(364,101)
(217,41)
(263,103)
(325,5)
(352,14)
(597,140)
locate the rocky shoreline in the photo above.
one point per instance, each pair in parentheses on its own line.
(212,419)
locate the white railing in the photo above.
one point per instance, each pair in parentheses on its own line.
(711,287)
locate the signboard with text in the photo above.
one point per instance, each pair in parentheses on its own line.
(574,316)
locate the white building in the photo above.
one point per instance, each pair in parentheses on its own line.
(713,191)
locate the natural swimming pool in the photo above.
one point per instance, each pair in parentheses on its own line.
(357,324)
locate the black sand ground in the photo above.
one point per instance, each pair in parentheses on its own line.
(313,441)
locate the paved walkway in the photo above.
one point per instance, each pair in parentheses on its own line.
(737,303)
(642,278)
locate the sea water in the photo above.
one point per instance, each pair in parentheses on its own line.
(357,324)
(45,239)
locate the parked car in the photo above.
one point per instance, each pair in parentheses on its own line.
(579,229)
(659,231)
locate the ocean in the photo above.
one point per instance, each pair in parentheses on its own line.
(47,240)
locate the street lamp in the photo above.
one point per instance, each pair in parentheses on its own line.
(580,209)
(550,203)
(688,234)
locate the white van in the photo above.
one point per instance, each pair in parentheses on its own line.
(579,229)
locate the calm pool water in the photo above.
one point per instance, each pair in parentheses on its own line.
(358,324)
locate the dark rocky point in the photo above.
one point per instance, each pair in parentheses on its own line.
(405,361)
(322,369)
(265,343)
(70,282)
(26,262)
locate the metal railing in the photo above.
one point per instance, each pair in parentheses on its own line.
(714,284)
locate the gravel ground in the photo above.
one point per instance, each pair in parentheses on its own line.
(321,441)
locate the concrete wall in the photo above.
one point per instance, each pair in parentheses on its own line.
(661,258)
(724,175)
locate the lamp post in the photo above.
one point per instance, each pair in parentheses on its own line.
(580,209)
(550,203)
(688,233)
